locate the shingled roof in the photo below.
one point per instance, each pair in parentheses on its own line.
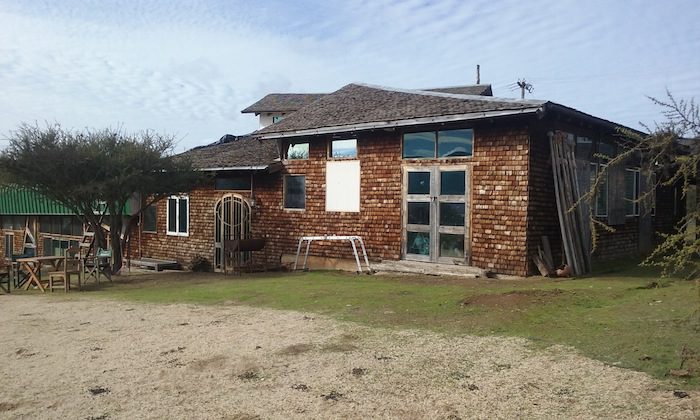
(238,152)
(282,102)
(359,106)
(481,90)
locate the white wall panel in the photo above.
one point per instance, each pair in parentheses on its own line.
(343,185)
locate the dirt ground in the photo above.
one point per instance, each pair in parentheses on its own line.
(83,358)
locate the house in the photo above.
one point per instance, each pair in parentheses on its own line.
(447,175)
(30,222)
(186,226)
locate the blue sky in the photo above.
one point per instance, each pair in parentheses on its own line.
(187,68)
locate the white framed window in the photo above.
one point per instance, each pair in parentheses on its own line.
(345,148)
(178,215)
(601,197)
(631,192)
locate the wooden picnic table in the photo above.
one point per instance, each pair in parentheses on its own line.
(33,267)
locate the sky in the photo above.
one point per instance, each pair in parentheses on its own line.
(187,68)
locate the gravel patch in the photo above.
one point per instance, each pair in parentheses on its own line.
(87,358)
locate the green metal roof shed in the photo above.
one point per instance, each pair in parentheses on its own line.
(21,201)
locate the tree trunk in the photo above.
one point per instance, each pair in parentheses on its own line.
(115,229)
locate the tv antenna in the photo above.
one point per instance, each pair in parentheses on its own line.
(524,86)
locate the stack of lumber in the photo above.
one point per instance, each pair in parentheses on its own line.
(566,189)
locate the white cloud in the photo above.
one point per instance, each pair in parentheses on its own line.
(188,68)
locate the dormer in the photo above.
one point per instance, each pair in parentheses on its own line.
(275,106)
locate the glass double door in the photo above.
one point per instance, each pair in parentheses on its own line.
(435,214)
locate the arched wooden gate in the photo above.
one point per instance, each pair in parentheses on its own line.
(232,214)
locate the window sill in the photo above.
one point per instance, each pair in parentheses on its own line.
(178,234)
(294,210)
(152,232)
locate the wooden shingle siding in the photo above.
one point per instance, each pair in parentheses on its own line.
(379,219)
(200,239)
(500,200)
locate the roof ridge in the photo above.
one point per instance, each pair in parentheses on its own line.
(457,86)
(454,95)
(297,93)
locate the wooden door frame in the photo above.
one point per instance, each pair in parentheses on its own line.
(435,199)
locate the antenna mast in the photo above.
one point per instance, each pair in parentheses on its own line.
(524,86)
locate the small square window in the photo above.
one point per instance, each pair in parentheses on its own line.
(455,143)
(419,145)
(343,148)
(606,151)
(297,151)
(277,118)
(295,192)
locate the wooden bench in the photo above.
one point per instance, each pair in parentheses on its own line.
(155,264)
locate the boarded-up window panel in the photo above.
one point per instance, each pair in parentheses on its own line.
(617,206)
(343,186)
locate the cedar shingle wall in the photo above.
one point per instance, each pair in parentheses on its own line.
(183,248)
(379,219)
(500,200)
(624,242)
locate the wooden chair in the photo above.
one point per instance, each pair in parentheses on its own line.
(99,265)
(5,275)
(71,265)
(19,276)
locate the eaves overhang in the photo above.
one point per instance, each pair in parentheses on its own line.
(377,125)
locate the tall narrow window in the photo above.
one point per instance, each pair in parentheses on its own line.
(178,215)
(149,218)
(632,192)
(294,192)
(601,197)
(9,245)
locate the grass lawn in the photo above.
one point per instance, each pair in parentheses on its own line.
(611,317)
